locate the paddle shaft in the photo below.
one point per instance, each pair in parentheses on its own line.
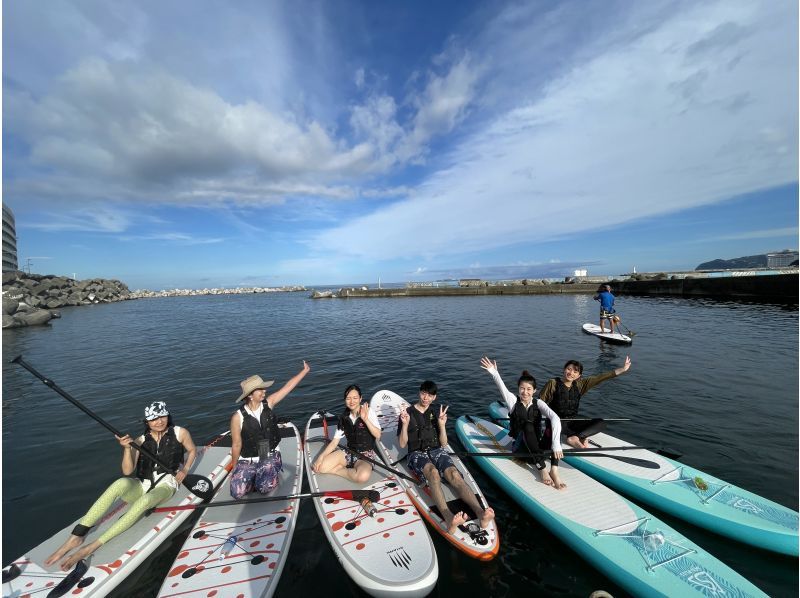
(586,452)
(579,419)
(374,462)
(47,382)
(354,495)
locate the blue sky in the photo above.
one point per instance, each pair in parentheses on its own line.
(196,144)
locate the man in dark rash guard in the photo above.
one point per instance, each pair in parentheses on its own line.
(426,438)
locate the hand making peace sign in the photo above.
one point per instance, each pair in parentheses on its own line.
(443,414)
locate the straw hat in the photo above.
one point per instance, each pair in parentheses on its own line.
(253,383)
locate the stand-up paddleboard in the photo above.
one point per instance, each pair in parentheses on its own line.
(388,555)
(258,536)
(617,337)
(689,494)
(478,543)
(120,556)
(637,551)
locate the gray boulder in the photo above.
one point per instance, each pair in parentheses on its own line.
(10,306)
(34,318)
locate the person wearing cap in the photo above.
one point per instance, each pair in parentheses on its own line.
(145,485)
(255,435)
(607,311)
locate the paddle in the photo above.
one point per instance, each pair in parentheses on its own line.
(198,485)
(373,461)
(354,495)
(630,332)
(578,452)
(578,419)
(566,419)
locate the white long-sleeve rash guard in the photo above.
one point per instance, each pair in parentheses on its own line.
(511,399)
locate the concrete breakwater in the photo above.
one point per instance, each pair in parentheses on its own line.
(771,287)
(31,299)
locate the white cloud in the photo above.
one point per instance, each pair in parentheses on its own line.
(754,234)
(177,238)
(697,107)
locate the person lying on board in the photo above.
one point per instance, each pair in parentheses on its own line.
(148,487)
(255,436)
(426,438)
(563,395)
(607,311)
(361,428)
(525,418)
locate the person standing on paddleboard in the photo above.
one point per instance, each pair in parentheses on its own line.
(255,436)
(525,417)
(425,436)
(563,395)
(361,427)
(149,486)
(607,311)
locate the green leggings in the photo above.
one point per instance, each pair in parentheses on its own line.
(128,490)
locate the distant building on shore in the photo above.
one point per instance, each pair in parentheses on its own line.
(10,263)
(781,259)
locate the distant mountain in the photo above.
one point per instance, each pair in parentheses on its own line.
(750,261)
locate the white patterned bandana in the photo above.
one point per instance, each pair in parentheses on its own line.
(155,410)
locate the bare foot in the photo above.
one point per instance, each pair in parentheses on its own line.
(488,516)
(71,543)
(69,562)
(546,480)
(557,483)
(575,442)
(458,519)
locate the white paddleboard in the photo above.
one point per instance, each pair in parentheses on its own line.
(262,531)
(390,554)
(120,556)
(617,337)
(470,539)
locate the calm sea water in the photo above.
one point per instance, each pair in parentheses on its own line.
(717,381)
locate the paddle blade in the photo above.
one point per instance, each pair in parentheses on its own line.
(11,573)
(199,485)
(66,584)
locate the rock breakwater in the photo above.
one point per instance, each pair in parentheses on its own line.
(144,294)
(31,299)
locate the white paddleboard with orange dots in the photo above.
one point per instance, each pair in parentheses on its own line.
(239,550)
(481,544)
(384,546)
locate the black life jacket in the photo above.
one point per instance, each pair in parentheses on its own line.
(565,400)
(520,416)
(422,431)
(254,430)
(358,435)
(169,451)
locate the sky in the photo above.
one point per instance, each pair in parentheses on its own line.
(194,144)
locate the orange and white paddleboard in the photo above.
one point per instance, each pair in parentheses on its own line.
(482,544)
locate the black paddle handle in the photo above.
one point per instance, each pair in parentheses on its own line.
(47,382)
